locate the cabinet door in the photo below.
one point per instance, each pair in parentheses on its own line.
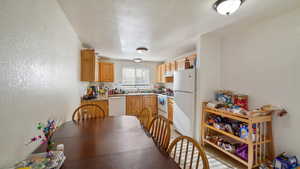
(170,109)
(164,68)
(158,70)
(102,103)
(168,67)
(151,103)
(192,59)
(173,66)
(154,104)
(88,108)
(88,63)
(106,72)
(134,105)
(162,73)
(180,64)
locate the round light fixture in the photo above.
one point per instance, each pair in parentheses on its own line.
(227,7)
(141,50)
(137,60)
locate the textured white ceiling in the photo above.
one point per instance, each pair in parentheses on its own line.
(115,28)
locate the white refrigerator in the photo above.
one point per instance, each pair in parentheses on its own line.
(184,97)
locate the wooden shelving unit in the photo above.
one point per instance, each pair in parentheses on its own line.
(260,149)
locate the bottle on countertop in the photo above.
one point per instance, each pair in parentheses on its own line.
(187,64)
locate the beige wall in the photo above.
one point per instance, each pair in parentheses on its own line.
(39,72)
(119,64)
(208,73)
(264,62)
(261,60)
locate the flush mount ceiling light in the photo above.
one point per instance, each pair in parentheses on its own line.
(137,60)
(141,50)
(227,7)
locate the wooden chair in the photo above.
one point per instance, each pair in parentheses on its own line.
(145,118)
(88,111)
(186,152)
(160,131)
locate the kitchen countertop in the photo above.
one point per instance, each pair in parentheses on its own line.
(95,99)
(132,94)
(171,97)
(127,94)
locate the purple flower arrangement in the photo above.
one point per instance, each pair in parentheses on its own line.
(48,130)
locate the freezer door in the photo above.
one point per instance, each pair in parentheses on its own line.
(184,80)
(184,113)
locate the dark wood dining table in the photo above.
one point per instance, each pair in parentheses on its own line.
(110,143)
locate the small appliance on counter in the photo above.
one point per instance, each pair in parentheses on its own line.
(169,92)
(116,91)
(91,93)
(159,89)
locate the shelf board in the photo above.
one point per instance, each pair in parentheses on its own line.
(252,145)
(226,152)
(227,134)
(227,114)
(239,117)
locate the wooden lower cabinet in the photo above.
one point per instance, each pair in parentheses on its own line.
(170,109)
(151,103)
(102,103)
(135,104)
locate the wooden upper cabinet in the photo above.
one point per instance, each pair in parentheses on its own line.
(88,65)
(160,73)
(168,67)
(163,68)
(192,59)
(106,72)
(180,64)
(92,71)
(173,66)
(158,77)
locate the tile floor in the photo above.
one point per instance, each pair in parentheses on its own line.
(217,160)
